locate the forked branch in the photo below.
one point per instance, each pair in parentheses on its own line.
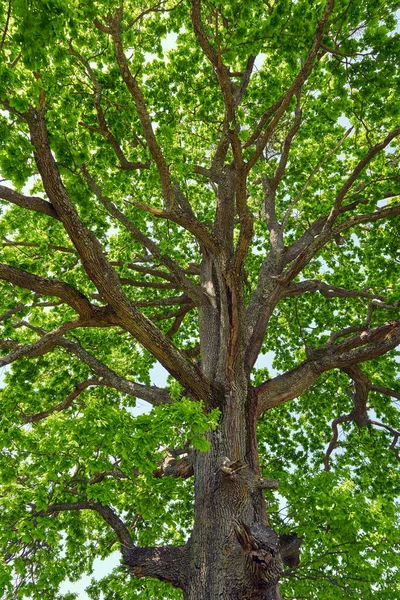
(359,414)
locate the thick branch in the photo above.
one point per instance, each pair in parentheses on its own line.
(101,272)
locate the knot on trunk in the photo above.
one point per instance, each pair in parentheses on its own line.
(176,467)
(261,545)
(233,469)
(289,549)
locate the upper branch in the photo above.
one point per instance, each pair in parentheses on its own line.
(137,96)
(103,128)
(372,152)
(220,70)
(282,104)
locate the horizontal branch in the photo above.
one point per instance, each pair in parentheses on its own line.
(148,284)
(152,394)
(106,376)
(44,345)
(361,347)
(109,516)
(29,202)
(385,391)
(48,287)
(327,290)
(66,403)
(170,301)
(10,243)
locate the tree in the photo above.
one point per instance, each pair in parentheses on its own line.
(234,196)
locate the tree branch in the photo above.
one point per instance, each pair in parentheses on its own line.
(100,271)
(137,96)
(219,68)
(359,414)
(66,403)
(106,376)
(296,86)
(297,198)
(109,516)
(372,152)
(103,128)
(184,282)
(361,347)
(152,394)
(327,290)
(166,563)
(29,202)
(48,287)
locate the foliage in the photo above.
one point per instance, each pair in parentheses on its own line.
(57,58)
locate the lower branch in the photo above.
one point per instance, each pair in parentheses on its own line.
(66,403)
(166,563)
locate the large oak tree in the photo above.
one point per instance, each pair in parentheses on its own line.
(234,196)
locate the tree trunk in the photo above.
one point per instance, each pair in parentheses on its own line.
(232,552)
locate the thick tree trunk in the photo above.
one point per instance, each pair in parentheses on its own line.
(232,551)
